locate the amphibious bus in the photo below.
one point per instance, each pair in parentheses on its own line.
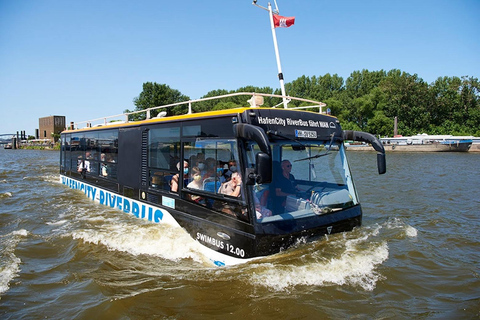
(245,182)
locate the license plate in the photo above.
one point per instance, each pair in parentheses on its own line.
(306,134)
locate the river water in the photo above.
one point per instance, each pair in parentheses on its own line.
(417,254)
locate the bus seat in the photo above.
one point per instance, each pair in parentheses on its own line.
(167,181)
(211,186)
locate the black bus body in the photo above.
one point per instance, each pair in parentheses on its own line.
(135,167)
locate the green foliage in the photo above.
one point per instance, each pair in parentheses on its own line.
(380,124)
(366,100)
(154,95)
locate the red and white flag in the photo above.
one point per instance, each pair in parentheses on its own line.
(282,22)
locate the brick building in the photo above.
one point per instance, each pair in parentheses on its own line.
(50,125)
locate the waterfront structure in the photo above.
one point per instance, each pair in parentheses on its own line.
(428,143)
(423,143)
(50,127)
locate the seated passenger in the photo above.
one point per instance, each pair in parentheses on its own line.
(109,158)
(84,165)
(156,181)
(196,183)
(233,187)
(260,210)
(103,166)
(210,170)
(174,181)
(103,169)
(232,167)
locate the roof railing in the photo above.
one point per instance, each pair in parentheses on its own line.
(255,102)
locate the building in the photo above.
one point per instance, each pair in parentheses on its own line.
(50,127)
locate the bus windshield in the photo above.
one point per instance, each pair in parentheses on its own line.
(309,178)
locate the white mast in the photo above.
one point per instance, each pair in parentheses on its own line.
(277,54)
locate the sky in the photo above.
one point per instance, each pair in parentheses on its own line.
(88,59)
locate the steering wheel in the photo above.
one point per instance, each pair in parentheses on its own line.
(315,188)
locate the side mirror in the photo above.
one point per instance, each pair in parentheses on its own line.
(376,144)
(263,168)
(381,163)
(262,172)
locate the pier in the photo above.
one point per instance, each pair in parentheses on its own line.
(424,143)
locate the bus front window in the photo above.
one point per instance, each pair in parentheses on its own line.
(309,179)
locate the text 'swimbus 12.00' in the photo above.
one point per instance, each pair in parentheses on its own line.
(245,182)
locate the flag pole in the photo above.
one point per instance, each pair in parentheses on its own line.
(277,54)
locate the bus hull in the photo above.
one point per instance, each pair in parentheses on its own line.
(223,245)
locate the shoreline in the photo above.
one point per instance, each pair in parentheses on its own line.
(411,148)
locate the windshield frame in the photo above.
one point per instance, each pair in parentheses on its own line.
(309,180)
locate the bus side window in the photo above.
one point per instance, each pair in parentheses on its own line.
(161,180)
(163,157)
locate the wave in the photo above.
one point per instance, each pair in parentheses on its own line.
(406,230)
(351,258)
(352,266)
(6,173)
(9,262)
(137,237)
(5,195)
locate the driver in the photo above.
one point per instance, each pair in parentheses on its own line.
(285,186)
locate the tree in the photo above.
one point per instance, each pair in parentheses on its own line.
(362,82)
(317,88)
(380,124)
(445,100)
(407,98)
(154,95)
(368,100)
(469,97)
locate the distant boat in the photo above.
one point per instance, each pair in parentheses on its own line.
(7,146)
(428,143)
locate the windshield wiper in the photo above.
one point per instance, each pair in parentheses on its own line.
(274,133)
(327,152)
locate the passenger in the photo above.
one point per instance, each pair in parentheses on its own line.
(111,167)
(104,169)
(79,164)
(260,210)
(200,157)
(103,165)
(232,167)
(196,183)
(210,170)
(284,186)
(200,162)
(84,165)
(156,180)
(175,178)
(110,158)
(233,187)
